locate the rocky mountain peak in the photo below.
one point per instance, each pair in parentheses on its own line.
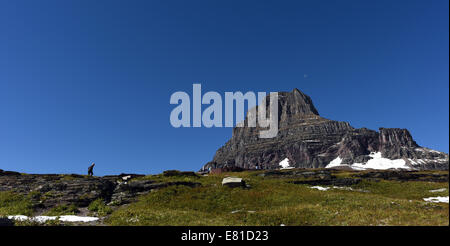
(295,103)
(310,141)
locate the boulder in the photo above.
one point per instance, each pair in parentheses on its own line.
(233,182)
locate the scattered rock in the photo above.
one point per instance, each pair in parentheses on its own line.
(225,169)
(274,173)
(124,176)
(319,174)
(404,176)
(334,182)
(176,173)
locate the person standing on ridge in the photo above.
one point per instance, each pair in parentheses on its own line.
(91,169)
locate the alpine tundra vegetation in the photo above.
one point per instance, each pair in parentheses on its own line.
(270,197)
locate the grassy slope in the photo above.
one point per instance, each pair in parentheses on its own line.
(14,204)
(273,201)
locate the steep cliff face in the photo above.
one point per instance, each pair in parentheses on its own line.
(308,140)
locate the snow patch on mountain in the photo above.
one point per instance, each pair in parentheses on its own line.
(285,164)
(376,162)
(336,163)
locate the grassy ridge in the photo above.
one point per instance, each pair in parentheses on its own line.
(269,201)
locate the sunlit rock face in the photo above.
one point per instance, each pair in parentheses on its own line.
(308,140)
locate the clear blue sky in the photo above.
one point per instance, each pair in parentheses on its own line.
(88,81)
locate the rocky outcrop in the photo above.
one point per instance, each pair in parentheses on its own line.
(311,141)
(299,173)
(233,182)
(49,190)
(176,173)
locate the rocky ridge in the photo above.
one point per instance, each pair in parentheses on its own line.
(49,190)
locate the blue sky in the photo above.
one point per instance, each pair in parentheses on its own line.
(88,81)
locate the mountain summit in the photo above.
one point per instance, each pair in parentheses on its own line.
(307,140)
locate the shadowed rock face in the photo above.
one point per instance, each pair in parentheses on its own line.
(311,141)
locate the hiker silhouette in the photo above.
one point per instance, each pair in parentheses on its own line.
(91,169)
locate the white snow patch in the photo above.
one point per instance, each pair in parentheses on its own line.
(42,219)
(319,188)
(377,162)
(336,187)
(437,199)
(335,163)
(18,217)
(125,178)
(74,218)
(342,188)
(438,190)
(285,164)
(358,168)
